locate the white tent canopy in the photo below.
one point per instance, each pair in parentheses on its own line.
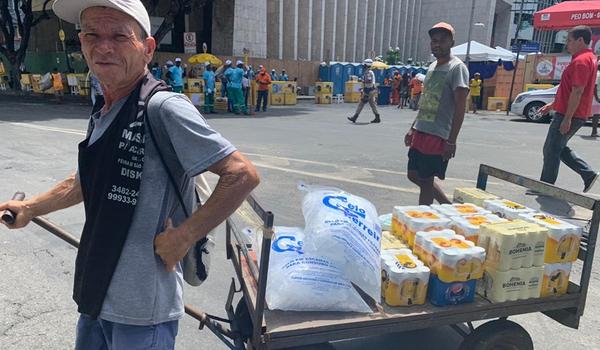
(480,53)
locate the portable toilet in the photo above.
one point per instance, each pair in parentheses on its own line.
(422,70)
(324,72)
(359,69)
(379,75)
(337,77)
(348,71)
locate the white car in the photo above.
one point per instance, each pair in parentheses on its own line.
(528,104)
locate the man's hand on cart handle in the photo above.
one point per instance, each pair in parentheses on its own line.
(16,212)
(171,245)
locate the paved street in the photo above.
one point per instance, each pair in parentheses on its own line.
(308,143)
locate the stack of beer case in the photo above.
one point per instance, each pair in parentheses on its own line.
(562,248)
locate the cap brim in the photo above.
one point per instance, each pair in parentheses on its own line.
(442,29)
(70,10)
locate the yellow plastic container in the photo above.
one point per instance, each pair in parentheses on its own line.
(290,99)
(278,100)
(389,241)
(556,279)
(407,221)
(472,195)
(500,286)
(404,278)
(352,91)
(352,97)
(455,259)
(221,104)
(506,209)
(496,103)
(324,87)
(323,99)
(513,245)
(469,226)
(195,85)
(563,240)
(289,87)
(459,209)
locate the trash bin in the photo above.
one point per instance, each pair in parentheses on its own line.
(384,95)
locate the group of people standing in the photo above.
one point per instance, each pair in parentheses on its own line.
(406,90)
(235,83)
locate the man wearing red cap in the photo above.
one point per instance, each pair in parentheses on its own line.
(432,136)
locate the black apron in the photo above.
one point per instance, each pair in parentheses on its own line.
(110,172)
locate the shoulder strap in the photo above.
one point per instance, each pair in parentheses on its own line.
(155,140)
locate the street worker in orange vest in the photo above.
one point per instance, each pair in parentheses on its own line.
(264,80)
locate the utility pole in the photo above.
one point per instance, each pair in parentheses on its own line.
(516,41)
(467,57)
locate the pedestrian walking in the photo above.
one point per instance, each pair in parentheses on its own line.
(572,107)
(396,82)
(596,108)
(209,88)
(274,76)
(128,274)
(404,91)
(475,90)
(433,135)
(416,87)
(369,93)
(263,79)
(235,76)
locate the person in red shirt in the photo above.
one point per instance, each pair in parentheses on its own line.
(572,108)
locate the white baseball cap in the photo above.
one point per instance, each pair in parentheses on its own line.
(227,62)
(177,59)
(70,10)
(238,62)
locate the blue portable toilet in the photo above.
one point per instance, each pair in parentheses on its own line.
(359,70)
(324,72)
(337,77)
(422,70)
(348,71)
(379,75)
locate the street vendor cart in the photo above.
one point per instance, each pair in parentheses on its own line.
(252,325)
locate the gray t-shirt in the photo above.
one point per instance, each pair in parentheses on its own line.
(436,107)
(141,291)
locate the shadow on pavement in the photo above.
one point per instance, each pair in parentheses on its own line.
(441,338)
(556,207)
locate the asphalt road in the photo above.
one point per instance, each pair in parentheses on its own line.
(308,143)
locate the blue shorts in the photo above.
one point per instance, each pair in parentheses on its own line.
(104,335)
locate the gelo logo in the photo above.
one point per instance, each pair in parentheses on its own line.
(341,203)
(287,244)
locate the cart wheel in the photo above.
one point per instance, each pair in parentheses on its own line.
(243,320)
(498,335)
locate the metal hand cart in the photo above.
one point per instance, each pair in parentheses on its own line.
(253,326)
